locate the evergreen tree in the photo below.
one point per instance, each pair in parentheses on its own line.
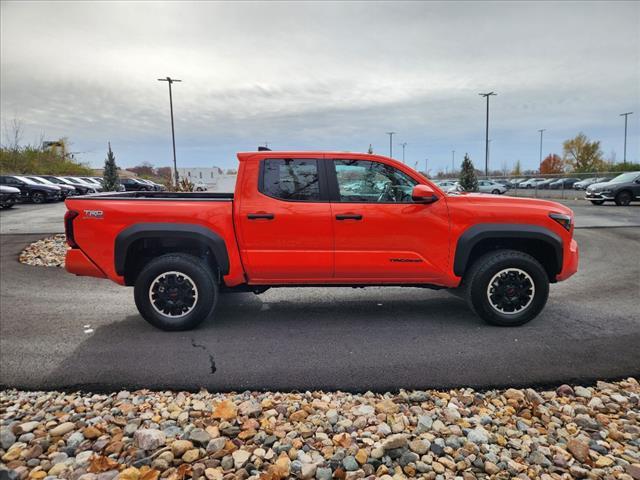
(370,149)
(468,179)
(110,176)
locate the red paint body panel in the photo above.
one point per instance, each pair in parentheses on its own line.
(303,243)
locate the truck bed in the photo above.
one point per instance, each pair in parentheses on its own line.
(157,196)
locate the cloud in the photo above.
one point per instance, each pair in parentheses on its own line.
(320,75)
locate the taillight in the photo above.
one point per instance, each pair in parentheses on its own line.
(68,227)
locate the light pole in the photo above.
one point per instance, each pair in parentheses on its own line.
(486,149)
(453,159)
(170,81)
(403,145)
(391,134)
(426,167)
(625,115)
(540,161)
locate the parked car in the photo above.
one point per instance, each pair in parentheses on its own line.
(583,184)
(489,186)
(91,183)
(155,186)
(65,190)
(200,186)
(623,189)
(531,183)
(290,222)
(516,182)
(506,182)
(544,185)
(80,187)
(30,190)
(135,185)
(563,183)
(9,196)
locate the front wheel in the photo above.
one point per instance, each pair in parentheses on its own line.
(597,202)
(37,197)
(623,198)
(176,292)
(496,192)
(506,287)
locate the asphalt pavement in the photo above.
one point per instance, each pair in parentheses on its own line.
(61,331)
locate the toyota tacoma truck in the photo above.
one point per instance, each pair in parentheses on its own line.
(321,219)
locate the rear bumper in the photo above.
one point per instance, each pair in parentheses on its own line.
(570,261)
(78,263)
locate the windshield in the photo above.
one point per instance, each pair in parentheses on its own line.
(37,180)
(55,180)
(27,180)
(625,177)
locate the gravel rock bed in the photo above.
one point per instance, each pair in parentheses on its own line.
(579,432)
(48,252)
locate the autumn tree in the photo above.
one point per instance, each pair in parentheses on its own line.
(145,169)
(582,155)
(468,178)
(110,175)
(552,164)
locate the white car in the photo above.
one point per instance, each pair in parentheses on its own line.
(531,183)
(489,186)
(200,186)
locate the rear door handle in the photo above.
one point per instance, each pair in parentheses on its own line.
(349,216)
(260,216)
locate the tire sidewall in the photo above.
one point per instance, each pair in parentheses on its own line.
(623,198)
(492,265)
(201,276)
(37,197)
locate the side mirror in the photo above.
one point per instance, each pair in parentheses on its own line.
(423,194)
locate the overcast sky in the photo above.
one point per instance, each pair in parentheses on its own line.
(327,76)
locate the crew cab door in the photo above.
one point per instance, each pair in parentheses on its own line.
(381,235)
(284,221)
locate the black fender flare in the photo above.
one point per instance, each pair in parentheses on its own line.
(170,230)
(483,231)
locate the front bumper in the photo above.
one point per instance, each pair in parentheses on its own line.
(598,196)
(570,261)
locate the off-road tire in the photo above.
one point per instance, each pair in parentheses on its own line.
(477,279)
(623,198)
(197,272)
(597,202)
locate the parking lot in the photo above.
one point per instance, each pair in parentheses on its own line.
(61,331)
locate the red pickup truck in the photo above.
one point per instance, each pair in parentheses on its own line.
(321,218)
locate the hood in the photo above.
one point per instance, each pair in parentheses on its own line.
(597,186)
(7,189)
(491,201)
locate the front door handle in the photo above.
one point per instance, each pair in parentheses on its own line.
(260,216)
(349,216)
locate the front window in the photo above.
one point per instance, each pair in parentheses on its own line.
(291,179)
(364,181)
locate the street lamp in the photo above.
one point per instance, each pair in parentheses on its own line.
(486,150)
(540,161)
(453,159)
(170,81)
(403,145)
(391,134)
(625,115)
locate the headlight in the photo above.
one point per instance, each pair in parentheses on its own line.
(562,219)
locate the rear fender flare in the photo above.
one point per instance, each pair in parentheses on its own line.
(185,231)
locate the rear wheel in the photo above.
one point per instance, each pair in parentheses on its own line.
(176,292)
(623,198)
(506,287)
(496,192)
(597,202)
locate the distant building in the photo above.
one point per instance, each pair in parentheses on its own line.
(214,178)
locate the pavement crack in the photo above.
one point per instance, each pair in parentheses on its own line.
(212,362)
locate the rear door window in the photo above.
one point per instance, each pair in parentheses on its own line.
(290,179)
